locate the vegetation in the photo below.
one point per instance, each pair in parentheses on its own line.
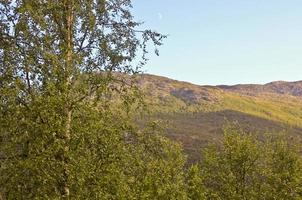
(194,115)
(169,96)
(282,110)
(69,106)
(65,107)
(248,168)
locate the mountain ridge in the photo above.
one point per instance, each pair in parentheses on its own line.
(293,88)
(195,115)
(278,87)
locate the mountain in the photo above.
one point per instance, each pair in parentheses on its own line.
(278,87)
(195,115)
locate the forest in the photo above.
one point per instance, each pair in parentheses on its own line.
(71,110)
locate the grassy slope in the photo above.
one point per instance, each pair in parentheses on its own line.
(286,110)
(160,93)
(195,115)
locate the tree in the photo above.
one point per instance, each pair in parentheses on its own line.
(230,173)
(65,119)
(161,174)
(247,167)
(282,169)
(195,183)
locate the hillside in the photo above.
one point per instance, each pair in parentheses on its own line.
(195,115)
(278,87)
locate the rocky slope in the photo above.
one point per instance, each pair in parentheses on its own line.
(278,87)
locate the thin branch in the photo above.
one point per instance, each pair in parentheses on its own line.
(83,40)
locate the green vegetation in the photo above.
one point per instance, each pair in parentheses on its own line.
(284,110)
(69,106)
(169,96)
(248,168)
(66,125)
(194,115)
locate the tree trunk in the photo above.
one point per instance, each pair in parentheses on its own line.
(68,109)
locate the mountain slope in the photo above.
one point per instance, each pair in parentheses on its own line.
(270,101)
(195,115)
(278,87)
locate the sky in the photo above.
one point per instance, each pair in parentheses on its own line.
(215,42)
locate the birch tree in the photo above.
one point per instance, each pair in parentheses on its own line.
(65,126)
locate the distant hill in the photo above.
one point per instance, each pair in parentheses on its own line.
(278,87)
(194,115)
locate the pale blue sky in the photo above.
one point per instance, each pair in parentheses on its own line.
(226,41)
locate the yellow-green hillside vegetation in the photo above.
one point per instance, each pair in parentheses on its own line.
(195,115)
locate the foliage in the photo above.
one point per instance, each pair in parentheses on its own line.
(249,168)
(66,105)
(284,172)
(195,186)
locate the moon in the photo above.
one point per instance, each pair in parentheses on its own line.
(160,16)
